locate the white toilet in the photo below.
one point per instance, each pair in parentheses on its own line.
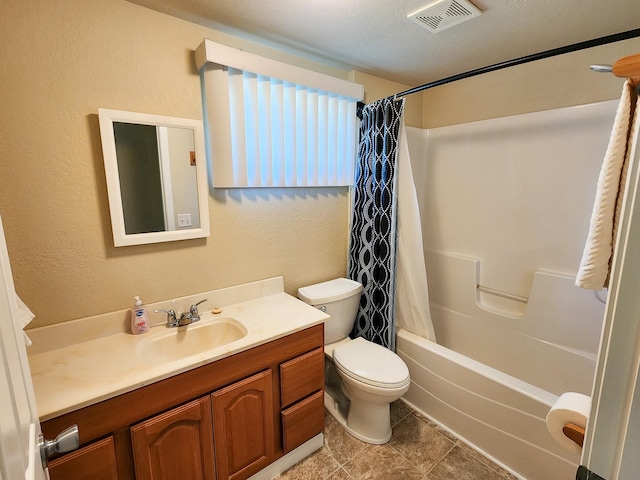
(361,377)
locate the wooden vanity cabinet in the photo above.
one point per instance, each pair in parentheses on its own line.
(225,420)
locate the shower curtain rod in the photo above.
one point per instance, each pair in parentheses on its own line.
(526,59)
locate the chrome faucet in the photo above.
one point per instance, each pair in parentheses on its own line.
(193,311)
(186,318)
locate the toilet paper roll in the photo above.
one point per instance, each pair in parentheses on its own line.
(571,407)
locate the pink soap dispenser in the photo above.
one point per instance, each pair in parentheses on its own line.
(139,320)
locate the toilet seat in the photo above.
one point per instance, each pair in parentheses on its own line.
(371,364)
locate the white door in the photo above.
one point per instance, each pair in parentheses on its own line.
(19,425)
(613,429)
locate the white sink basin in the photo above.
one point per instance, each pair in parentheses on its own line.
(180,342)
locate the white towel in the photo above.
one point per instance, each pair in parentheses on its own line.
(598,250)
(24,316)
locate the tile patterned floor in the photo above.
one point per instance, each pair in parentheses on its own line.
(418,450)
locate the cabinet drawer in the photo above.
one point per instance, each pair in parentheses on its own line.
(96,461)
(302,421)
(301,376)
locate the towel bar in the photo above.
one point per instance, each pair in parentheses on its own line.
(625,67)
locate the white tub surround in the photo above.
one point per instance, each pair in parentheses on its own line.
(552,342)
(505,205)
(85,361)
(516,192)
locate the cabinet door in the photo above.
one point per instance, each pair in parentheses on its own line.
(96,461)
(175,445)
(243,426)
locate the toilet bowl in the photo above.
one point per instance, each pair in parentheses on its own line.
(361,377)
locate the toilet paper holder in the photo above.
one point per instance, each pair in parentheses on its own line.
(567,420)
(574,432)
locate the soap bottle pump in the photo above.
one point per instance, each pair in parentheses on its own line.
(139,320)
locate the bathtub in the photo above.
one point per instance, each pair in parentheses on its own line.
(498,368)
(497,414)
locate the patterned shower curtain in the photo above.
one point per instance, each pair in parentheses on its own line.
(372,249)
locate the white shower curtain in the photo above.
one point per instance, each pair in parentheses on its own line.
(412,291)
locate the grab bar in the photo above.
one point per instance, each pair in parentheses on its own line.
(499,293)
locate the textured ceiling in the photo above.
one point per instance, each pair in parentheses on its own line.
(375,36)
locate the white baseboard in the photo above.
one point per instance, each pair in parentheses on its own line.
(290,459)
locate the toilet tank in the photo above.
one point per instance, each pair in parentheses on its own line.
(340,299)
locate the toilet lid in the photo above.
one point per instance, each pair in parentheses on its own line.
(371,364)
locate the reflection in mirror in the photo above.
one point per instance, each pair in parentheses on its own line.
(169,186)
(157,186)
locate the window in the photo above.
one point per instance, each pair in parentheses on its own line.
(271,124)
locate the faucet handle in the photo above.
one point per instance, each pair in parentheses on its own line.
(194,309)
(171,317)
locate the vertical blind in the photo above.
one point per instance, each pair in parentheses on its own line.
(274,129)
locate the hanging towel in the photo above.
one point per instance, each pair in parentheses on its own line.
(598,250)
(24,317)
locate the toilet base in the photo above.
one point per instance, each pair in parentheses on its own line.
(341,413)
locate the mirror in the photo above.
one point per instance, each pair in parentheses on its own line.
(156,177)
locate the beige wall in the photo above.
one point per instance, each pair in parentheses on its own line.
(61,61)
(555,82)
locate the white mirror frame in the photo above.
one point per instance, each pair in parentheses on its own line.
(107,118)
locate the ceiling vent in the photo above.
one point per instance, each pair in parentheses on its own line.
(444,14)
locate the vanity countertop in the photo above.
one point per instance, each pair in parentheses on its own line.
(73,374)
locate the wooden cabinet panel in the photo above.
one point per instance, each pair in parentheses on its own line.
(176,445)
(301,376)
(303,421)
(96,461)
(243,426)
